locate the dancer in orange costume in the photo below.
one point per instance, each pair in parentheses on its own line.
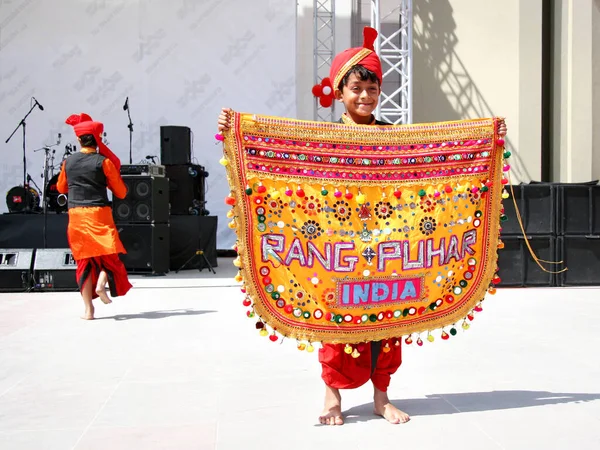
(92,234)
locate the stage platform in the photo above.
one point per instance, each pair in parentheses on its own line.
(187,234)
(176,364)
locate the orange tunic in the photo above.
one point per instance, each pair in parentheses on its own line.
(92,230)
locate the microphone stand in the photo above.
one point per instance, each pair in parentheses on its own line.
(23,124)
(130,126)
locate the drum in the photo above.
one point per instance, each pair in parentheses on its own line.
(20,199)
(57,202)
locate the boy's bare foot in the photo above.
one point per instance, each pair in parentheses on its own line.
(332,412)
(383,407)
(89,314)
(103,296)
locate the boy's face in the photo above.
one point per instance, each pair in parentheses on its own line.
(359,97)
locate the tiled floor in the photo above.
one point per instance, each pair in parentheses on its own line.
(177,365)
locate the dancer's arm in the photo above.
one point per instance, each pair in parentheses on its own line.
(114,181)
(62,184)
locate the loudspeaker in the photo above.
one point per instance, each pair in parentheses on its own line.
(517,267)
(54,270)
(175,145)
(147,200)
(147,247)
(15,269)
(187,189)
(581,254)
(580,209)
(537,206)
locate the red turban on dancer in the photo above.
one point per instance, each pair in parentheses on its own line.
(83,124)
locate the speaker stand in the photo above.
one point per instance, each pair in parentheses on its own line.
(198,253)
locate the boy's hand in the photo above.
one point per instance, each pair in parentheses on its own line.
(502,129)
(223,122)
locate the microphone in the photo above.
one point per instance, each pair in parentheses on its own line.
(38,103)
(126,105)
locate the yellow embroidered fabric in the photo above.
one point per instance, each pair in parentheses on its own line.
(352,233)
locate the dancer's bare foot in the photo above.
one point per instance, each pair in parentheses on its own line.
(383,407)
(332,412)
(89,314)
(101,291)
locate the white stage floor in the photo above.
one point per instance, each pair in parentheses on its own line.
(177,365)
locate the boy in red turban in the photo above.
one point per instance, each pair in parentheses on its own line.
(92,234)
(356,78)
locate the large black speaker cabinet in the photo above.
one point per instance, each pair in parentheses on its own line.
(175,145)
(580,209)
(54,270)
(147,200)
(581,254)
(15,269)
(187,189)
(147,247)
(517,267)
(537,206)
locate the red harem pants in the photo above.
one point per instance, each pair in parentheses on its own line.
(118,282)
(342,371)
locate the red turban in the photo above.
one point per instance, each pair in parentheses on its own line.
(83,124)
(365,56)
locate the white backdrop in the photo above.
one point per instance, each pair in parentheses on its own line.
(178,61)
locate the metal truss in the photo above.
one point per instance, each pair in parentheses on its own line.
(395,52)
(323,53)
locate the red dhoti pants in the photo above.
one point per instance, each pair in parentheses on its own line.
(342,371)
(118,282)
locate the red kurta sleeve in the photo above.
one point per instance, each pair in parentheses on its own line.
(113,178)
(62,185)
